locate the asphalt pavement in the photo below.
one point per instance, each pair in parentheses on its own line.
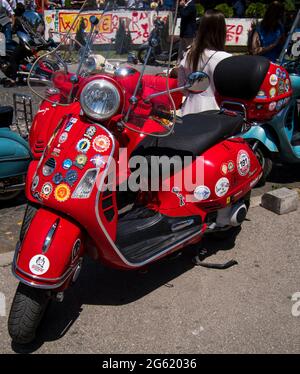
(176,307)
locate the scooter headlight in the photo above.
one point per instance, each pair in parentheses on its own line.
(86,184)
(100,99)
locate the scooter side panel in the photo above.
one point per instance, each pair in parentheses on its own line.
(262,134)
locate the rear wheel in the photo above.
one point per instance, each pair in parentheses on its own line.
(6,196)
(266,164)
(142,53)
(27,310)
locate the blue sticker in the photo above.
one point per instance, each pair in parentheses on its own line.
(57,178)
(278,72)
(67,164)
(83,145)
(71,177)
(69,126)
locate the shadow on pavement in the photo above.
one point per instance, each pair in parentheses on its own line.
(288,173)
(103,286)
(19,200)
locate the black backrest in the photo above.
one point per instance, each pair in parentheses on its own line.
(240,76)
(6,116)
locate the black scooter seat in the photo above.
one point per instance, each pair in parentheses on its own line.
(197,133)
(6,116)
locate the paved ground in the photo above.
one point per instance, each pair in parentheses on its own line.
(178,308)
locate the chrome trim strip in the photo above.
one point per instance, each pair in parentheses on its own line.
(49,236)
(139,264)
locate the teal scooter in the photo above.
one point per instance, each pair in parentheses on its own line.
(279,139)
(15,156)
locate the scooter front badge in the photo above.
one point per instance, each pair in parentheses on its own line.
(62,192)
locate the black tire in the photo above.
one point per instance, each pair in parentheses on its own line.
(27,310)
(266,164)
(28,216)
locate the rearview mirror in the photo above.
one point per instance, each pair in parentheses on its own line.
(197,82)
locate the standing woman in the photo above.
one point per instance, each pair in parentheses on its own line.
(205,53)
(269,35)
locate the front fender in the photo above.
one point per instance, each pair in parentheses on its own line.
(262,134)
(50,252)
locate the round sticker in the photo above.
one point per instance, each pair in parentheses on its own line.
(222,187)
(67,164)
(83,145)
(57,178)
(63,137)
(35,183)
(273,80)
(202,193)
(272,92)
(243,163)
(272,106)
(62,192)
(71,177)
(46,190)
(80,161)
(278,72)
(39,264)
(98,161)
(283,75)
(101,143)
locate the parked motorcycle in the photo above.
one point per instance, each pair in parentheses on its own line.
(29,29)
(15,155)
(276,137)
(158,55)
(87,195)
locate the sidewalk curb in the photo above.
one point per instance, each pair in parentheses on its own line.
(6,258)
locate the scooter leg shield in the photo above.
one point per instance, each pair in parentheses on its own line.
(50,252)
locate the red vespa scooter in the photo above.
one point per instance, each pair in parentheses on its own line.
(87,196)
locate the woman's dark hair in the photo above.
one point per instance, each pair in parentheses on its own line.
(273,16)
(211,34)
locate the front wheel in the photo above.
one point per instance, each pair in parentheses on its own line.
(27,310)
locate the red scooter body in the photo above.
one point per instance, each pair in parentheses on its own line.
(75,225)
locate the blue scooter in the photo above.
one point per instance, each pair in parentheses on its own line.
(15,156)
(279,139)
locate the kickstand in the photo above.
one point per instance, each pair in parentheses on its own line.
(197,260)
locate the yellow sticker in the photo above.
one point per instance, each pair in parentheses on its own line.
(228,200)
(62,192)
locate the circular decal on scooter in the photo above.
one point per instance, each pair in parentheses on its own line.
(272,106)
(39,265)
(80,161)
(273,80)
(46,190)
(83,145)
(230,166)
(62,192)
(35,183)
(71,177)
(202,193)
(67,164)
(57,178)
(278,72)
(222,187)
(287,85)
(63,137)
(101,143)
(243,163)
(49,167)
